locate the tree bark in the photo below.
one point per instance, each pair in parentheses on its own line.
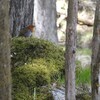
(95,65)
(21,15)
(45,20)
(70,50)
(5,75)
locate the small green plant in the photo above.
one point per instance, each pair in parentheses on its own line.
(83,75)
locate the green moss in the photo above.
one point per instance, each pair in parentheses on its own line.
(24,50)
(35,63)
(83,97)
(21,92)
(26,78)
(31,75)
(44,94)
(53,69)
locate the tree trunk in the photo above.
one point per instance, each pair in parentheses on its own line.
(95,65)
(5,75)
(45,19)
(70,50)
(21,15)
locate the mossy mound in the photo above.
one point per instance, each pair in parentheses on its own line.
(24,50)
(28,77)
(35,63)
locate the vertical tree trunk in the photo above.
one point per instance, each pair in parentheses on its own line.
(21,15)
(5,76)
(45,19)
(70,50)
(95,65)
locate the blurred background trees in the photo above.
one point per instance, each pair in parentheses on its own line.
(42,60)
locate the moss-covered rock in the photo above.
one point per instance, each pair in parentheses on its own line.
(28,77)
(20,92)
(35,63)
(24,50)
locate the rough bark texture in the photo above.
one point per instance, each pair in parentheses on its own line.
(45,19)
(95,66)
(70,50)
(21,15)
(5,85)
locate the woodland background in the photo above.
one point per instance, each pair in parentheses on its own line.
(43,67)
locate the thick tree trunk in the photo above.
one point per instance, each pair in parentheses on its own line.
(95,66)
(45,19)
(70,50)
(21,15)
(5,76)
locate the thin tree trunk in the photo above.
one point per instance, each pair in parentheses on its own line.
(21,15)
(70,50)
(5,75)
(95,65)
(45,20)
